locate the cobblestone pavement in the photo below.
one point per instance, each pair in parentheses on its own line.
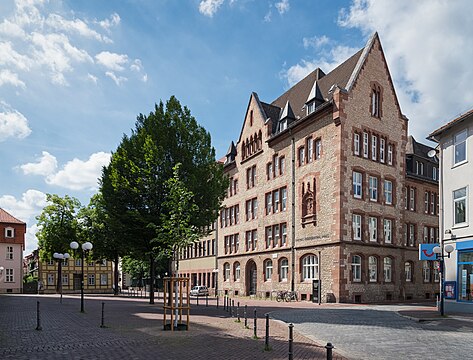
(134,331)
(379,332)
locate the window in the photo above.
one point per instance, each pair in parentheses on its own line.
(251,177)
(9,275)
(376,102)
(408,271)
(388,231)
(310,150)
(78,262)
(269,237)
(426,202)
(426,273)
(276,165)
(283,234)
(390,154)
(276,235)
(357,184)
(382,149)
(356,227)
(282,164)
(50,262)
(103,279)
(276,201)
(226,272)
(374,147)
(284,198)
(373,187)
(50,279)
(310,107)
(434,173)
(460,147)
(373,228)
(436,266)
(301,156)
(387,270)
(283,269)
(269,171)
(236,271)
(283,125)
(459,206)
(356,268)
(388,192)
(65,262)
(269,203)
(268,270)
(65,279)
(365,145)
(251,209)
(91,279)
(432,203)
(412,235)
(9,232)
(310,267)
(373,268)
(356,143)
(9,253)
(237,242)
(318,148)
(412,199)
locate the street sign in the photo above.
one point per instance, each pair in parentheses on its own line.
(426,252)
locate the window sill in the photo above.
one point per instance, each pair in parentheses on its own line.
(459,164)
(460,226)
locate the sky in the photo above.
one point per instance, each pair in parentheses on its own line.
(74,75)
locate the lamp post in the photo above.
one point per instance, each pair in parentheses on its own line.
(439,251)
(87,246)
(60,257)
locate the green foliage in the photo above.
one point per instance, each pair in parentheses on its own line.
(28,278)
(137,269)
(57,225)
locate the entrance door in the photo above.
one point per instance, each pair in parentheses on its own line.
(76,280)
(252,278)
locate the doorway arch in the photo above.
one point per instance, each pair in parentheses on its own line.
(251,275)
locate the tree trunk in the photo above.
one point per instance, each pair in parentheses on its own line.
(116,275)
(151,278)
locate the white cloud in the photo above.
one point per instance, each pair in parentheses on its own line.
(316,41)
(12,123)
(428,49)
(11,29)
(80,175)
(282,6)
(117,79)
(46,165)
(107,24)
(11,57)
(327,61)
(92,78)
(112,61)
(8,77)
(209,7)
(78,26)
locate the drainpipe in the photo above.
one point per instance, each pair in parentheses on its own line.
(293,206)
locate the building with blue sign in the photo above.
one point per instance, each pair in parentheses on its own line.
(455,141)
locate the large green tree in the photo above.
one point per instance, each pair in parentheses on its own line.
(133,184)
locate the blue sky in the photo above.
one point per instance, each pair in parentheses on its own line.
(75,74)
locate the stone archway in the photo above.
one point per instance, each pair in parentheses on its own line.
(251,276)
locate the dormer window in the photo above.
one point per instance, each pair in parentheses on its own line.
(9,232)
(310,108)
(283,125)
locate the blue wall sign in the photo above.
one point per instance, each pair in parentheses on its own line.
(426,252)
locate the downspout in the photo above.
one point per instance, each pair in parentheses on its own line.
(293,206)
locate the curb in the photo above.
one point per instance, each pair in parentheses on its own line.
(419,320)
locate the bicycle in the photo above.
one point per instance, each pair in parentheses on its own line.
(291,295)
(281,296)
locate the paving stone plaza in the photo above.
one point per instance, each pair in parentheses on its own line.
(133,330)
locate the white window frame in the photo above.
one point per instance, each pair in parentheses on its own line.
(9,277)
(90,279)
(374,147)
(269,237)
(310,150)
(284,198)
(237,271)
(9,232)
(388,269)
(268,270)
(373,188)
(310,267)
(458,199)
(65,279)
(388,192)
(365,145)
(276,200)
(390,154)
(356,268)
(412,199)
(356,227)
(373,269)
(373,228)
(283,234)
(226,272)
(50,279)
(9,253)
(318,148)
(408,271)
(283,269)
(388,231)
(103,279)
(426,271)
(382,147)
(357,185)
(459,141)
(412,235)
(356,143)
(434,173)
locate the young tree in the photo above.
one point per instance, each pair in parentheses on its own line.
(133,185)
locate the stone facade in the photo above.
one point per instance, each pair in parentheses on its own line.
(295,195)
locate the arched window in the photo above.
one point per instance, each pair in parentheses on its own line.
(388,269)
(226,272)
(268,270)
(373,268)
(356,268)
(408,271)
(310,267)
(251,145)
(283,269)
(260,140)
(243,152)
(236,271)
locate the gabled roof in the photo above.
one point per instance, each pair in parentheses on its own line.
(260,107)
(416,148)
(297,95)
(272,112)
(6,218)
(434,135)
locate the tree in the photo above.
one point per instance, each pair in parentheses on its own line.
(57,226)
(133,184)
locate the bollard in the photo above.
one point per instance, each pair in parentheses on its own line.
(255,336)
(38,320)
(102,325)
(197,299)
(217,301)
(224,302)
(207,300)
(238,312)
(329,348)
(246,317)
(266,340)
(291,339)
(231,308)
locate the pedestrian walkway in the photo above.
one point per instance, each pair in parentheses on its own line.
(134,331)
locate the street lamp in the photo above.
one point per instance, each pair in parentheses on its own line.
(439,251)
(87,246)
(59,257)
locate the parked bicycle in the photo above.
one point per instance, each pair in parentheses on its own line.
(286,296)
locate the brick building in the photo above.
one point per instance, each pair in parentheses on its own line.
(12,244)
(318,185)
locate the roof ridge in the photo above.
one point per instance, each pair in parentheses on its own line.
(6,217)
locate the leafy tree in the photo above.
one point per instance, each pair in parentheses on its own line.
(133,185)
